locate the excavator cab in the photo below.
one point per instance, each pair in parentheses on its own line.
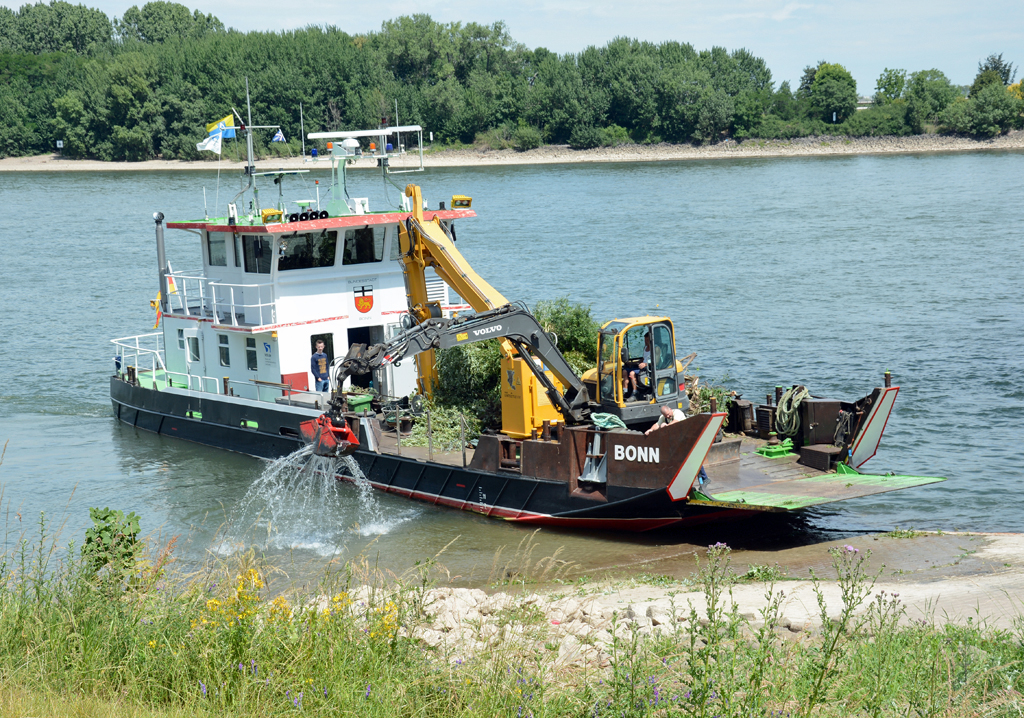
(622,345)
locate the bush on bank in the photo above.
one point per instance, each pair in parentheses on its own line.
(227,641)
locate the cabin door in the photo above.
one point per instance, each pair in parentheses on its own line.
(399,379)
(195,366)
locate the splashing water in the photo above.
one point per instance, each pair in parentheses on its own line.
(298,503)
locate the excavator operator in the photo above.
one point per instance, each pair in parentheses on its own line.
(631,390)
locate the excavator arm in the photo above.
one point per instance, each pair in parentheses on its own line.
(512,323)
(427,244)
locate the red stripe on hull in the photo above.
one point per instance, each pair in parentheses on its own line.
(637,525)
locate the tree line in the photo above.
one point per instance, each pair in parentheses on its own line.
(145,85)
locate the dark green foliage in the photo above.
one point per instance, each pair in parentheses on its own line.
(880,120)
(613,136)
(928,93)
(470,378)
(833,91)
(572,322)
(995,63)
(990,111)
(984,79)
(57,27)
(160,21)
(890,86)
(803,90)
(146,84)
(527,138)
(585,137)
(113,541)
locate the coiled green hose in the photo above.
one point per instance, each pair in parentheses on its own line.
(787,418)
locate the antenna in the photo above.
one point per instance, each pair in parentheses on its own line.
(247,102)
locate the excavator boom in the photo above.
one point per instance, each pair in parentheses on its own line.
(512,323)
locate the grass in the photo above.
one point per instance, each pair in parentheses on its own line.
(898,533)
(231,640)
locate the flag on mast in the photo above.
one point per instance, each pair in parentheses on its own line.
(226,127)
(279,137)
(211,143)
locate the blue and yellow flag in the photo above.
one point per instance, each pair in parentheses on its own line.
(225,127)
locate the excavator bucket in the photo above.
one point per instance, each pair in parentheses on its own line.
(328,438)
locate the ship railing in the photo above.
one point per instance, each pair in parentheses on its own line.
(192,382)
(242,304)
(188,292)
(143,354)
(271,392)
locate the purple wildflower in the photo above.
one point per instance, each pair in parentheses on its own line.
(202,687)
(367,692)
(850,549)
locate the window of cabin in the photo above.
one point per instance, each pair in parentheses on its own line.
(364,245)
(250,353)
(225,350)
(257,249)
(308,250)
(193,349)
(181,339)
(238,249)
(217,249)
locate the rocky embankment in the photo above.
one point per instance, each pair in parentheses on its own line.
(578,626)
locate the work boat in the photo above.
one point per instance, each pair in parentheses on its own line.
(384,290)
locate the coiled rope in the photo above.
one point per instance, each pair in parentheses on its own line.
(787,419)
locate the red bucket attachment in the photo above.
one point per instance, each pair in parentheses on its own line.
(327,438)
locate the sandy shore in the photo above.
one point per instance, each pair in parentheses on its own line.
(561,154)
(939,577)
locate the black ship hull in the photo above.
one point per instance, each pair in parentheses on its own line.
(269,432)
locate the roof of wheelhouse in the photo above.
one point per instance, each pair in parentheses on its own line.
(220,224)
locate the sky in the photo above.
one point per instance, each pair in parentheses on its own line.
(865,36)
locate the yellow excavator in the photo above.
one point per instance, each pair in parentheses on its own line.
(526,393)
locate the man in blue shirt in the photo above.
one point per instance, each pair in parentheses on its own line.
(318,367)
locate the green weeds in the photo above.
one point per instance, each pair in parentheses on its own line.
(231,640)
(898,533)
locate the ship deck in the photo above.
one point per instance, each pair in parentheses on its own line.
(781,484)
(752,482)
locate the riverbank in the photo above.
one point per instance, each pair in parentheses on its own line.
(562,154)
(941,630)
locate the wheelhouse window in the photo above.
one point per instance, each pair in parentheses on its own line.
(250,354)
(217,249)
(225,350)
(193,349)
(257,251)
(364,245)
(308,250)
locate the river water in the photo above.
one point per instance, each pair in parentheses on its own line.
(820,271)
